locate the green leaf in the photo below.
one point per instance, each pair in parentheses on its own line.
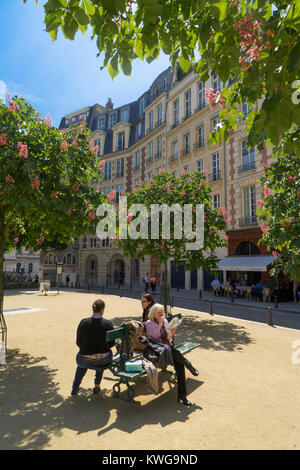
(69,26)
(81,16)
(113,66)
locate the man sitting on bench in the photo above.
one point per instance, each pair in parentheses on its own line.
(94,351)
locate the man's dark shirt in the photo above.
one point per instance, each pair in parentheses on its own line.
(91,334)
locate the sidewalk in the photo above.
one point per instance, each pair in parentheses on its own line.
(194,295)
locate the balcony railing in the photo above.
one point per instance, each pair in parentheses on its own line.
(158,155)
(199,107)
(186,116)
(215,176)
(136,168)
(185,151)
(198,144)
(158,122)
(107,177)
(173,158)
(119,174)
(149,160)
(175,124)
(246,167)
(250,220)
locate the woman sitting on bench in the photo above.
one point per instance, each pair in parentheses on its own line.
(157,329)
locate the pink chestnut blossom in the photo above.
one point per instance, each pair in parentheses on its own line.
(91,215)
(75,142)
(260,202)
(64,145)
(12,107)
(3,139)
(54,195)
(129,217)
(9,179)
(267,192)
(101,164)
(36,183)
(41,239)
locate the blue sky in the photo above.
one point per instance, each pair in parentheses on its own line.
(60,77)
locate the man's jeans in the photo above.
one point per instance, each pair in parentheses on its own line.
(84,364)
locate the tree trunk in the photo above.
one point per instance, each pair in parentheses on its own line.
(165,285)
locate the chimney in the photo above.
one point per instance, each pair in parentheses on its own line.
(109,104)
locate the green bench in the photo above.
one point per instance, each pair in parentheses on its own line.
(117,366)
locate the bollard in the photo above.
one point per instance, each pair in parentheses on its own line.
(270,320)
(172,301)
(103,289)
(200,294)
(210,307)
(231,296)
(121,292)
(276,301)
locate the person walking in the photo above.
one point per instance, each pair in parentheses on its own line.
(153,283)
(94,350)
(146,282)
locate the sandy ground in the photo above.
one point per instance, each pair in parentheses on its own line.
(246,396)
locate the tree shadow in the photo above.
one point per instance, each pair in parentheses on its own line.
(210,334)
(28,397)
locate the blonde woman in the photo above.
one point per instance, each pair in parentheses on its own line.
(157,329)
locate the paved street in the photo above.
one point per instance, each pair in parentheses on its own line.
(286,315)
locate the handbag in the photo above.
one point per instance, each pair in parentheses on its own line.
(134,366)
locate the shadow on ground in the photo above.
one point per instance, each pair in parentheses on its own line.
(32,410)
(210,333)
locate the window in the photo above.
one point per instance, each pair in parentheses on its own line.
(105,242)
(200,137)
(125,114)
(98,142)
(158,147)
(174,173)
(101,123)
(200,165)
(215,166)
(215,122)
(140,129)
(93,243)
(118,192)
(165,84)
(175,150)
(151,152)
(112,119)
(150,175)
(120,168)
(187,144)
(216,83)
(250,204)
(186,169)
(137,161)
(30,267)
(201,95)
(159,115)
(107,171)
(176,112)
(121,141)
(50,259)
(151,121)
(187,104)
(69,259)
(143,104)
(248,158)
(216,201)
(106,190)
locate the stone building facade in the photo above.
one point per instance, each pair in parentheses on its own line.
(167,128)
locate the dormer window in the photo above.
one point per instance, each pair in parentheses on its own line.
(143,104)
(125,114)
(112,119)
(101,123)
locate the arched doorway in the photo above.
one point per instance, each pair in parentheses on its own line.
(155,269)
(177,276)
(91,270)
(247,249)
(117,269)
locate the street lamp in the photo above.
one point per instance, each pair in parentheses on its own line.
(59,270)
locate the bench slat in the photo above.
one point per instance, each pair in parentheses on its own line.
(187,346)
(115,334)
